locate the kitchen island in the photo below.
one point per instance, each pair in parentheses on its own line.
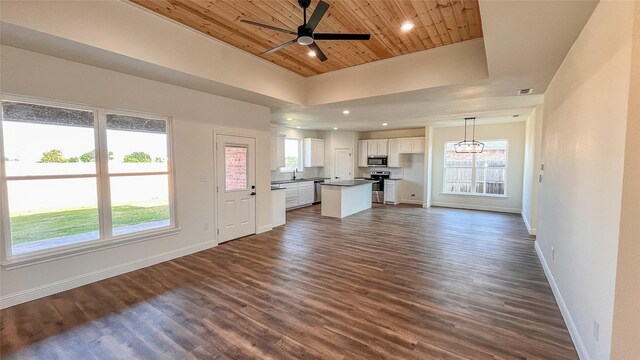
(344,198)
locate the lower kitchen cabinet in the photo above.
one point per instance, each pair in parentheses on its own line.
(278,207)
(299,194)
(392,192)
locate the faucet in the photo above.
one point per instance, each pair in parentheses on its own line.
(293,177)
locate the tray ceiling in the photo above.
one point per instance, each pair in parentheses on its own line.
(437,23)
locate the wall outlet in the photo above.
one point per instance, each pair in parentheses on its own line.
(413,195)
(553,253)
(205,226)
(596,331)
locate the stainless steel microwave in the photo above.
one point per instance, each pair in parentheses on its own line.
(377,161)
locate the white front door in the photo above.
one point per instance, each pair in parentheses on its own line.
(236,187)
(343,164)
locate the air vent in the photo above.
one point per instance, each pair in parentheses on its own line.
(525,91)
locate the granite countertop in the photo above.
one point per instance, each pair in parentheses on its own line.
(348,183)
(276,188)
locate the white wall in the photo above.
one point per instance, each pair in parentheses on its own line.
(195,116)
(339,140)
(585,118)
(515,134)
(626,312)
(532,157)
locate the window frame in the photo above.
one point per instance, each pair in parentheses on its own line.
(474,173)
(300,167)
(102,176)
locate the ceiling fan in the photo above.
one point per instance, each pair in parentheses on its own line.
(305,34)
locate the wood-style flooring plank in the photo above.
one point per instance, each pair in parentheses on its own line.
(393,282)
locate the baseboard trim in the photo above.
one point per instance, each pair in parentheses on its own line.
(264,228)
(476,207)
(571,326)
(413,202)
(532,231)
(84,279)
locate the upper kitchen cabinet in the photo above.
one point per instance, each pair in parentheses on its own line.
(277,149)
(362,153)
(367,148)
(403,146)
(313,152)
(411,145)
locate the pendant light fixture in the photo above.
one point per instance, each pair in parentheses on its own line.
(472,146)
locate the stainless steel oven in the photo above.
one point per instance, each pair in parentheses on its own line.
(377,161)
(377,188)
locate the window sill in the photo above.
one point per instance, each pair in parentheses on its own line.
(43,256)
(474,195)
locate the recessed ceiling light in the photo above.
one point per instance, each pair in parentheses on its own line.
(346,112)
(384,124)
(297,127)
(311,53)
(407,26)
(289,119)
(335,128)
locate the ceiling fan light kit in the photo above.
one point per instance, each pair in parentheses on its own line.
(305,35)
(472,146)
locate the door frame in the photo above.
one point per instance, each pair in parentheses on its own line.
(216,185)
(335,162)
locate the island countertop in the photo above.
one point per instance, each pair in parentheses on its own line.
(348,183)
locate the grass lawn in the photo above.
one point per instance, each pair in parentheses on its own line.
(34,227)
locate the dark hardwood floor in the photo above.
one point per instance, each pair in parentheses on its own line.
(388,283)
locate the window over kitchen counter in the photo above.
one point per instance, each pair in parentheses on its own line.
(477,174)
(292,155)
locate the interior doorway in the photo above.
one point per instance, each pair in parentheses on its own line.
(343,164)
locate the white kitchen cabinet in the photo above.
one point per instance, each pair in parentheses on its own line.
(299,193)
(277,149)
(372,147)
(278,207)
(305,193)
(383,147)
(292,199)
(280,161)
(411,146)
(362,153)
(417,146)
(405,146)
(392,192)
(393,159)
(313,152)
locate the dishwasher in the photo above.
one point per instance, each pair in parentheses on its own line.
(317,194)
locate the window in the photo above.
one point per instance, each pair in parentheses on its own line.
(64,189)
(292,155)
(478,174)
(235,159)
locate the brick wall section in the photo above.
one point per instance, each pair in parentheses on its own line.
(235,167)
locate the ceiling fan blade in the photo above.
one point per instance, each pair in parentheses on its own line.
(319,54)
(341,36)
(269,27)
(279,47)
(317,15)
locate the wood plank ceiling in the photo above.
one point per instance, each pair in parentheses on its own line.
(437,23)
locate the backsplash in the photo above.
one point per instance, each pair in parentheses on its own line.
(307,173)
(396,173)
